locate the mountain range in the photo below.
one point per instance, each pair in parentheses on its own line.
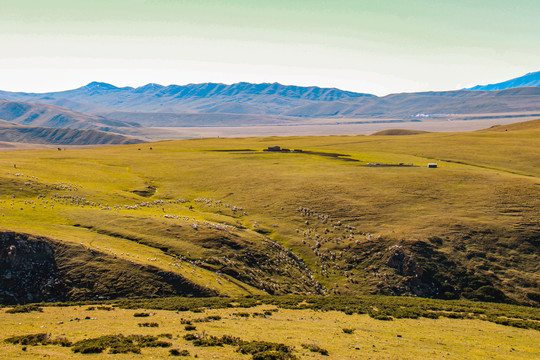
(126,110)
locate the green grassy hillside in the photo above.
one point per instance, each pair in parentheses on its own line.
(347,215)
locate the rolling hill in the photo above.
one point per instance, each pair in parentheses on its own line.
(45,115)
(347,215)
(14,133)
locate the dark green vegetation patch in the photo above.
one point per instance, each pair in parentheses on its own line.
(261,350)
(377,307)
(118,344)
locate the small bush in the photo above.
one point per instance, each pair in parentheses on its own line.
(348,331)
(176,352)
(118,344)
(191,337)
(254,347)
(273,355)
(208,341)
(167,335)
(377,316)
(231,340)
(241,314)
(33,339)
(24,309)
(203,340)
(38,339)
(124,349)
(148,341)
(149,324)
(315,348)
(141,314)
(185,322)
(62,341)
(207,319)
(89,349)
(190,328)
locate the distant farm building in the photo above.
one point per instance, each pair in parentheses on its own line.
(432,165)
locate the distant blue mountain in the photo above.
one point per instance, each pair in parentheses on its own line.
(529,80)
(270,103)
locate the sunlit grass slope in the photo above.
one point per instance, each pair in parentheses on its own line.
(224,214)
(309,333)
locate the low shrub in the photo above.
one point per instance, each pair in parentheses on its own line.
(207,319)
(89,349)
(273,355)
(191,337)
(254,347)
(348,330)
(149,324)
(61,340)
(190,328)
(32,339)
(141,314)
(118,344)
(241,314)
(383,317)
(38,339)
(24,309)
(210,340)
(176,352)
(124,349)
(315,348)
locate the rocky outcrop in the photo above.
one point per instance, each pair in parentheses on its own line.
(36,269)
(28,270)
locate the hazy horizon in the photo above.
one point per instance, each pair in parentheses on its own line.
(377,48)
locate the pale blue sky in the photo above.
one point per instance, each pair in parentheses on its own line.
(377,47)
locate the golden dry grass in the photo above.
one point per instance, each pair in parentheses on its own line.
(372,339)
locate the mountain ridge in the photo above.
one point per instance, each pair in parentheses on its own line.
(531,79)
(203,102)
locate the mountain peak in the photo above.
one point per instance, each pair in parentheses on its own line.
(95,85)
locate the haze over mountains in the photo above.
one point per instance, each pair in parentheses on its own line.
(124,110)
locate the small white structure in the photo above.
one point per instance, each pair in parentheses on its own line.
(432,165)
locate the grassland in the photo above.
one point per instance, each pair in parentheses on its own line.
(236,220)
(292,321)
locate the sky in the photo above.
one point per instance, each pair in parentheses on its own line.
(377,47)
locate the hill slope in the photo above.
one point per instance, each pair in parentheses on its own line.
(31,114)
(10,132)
(346,215)
(528,80)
